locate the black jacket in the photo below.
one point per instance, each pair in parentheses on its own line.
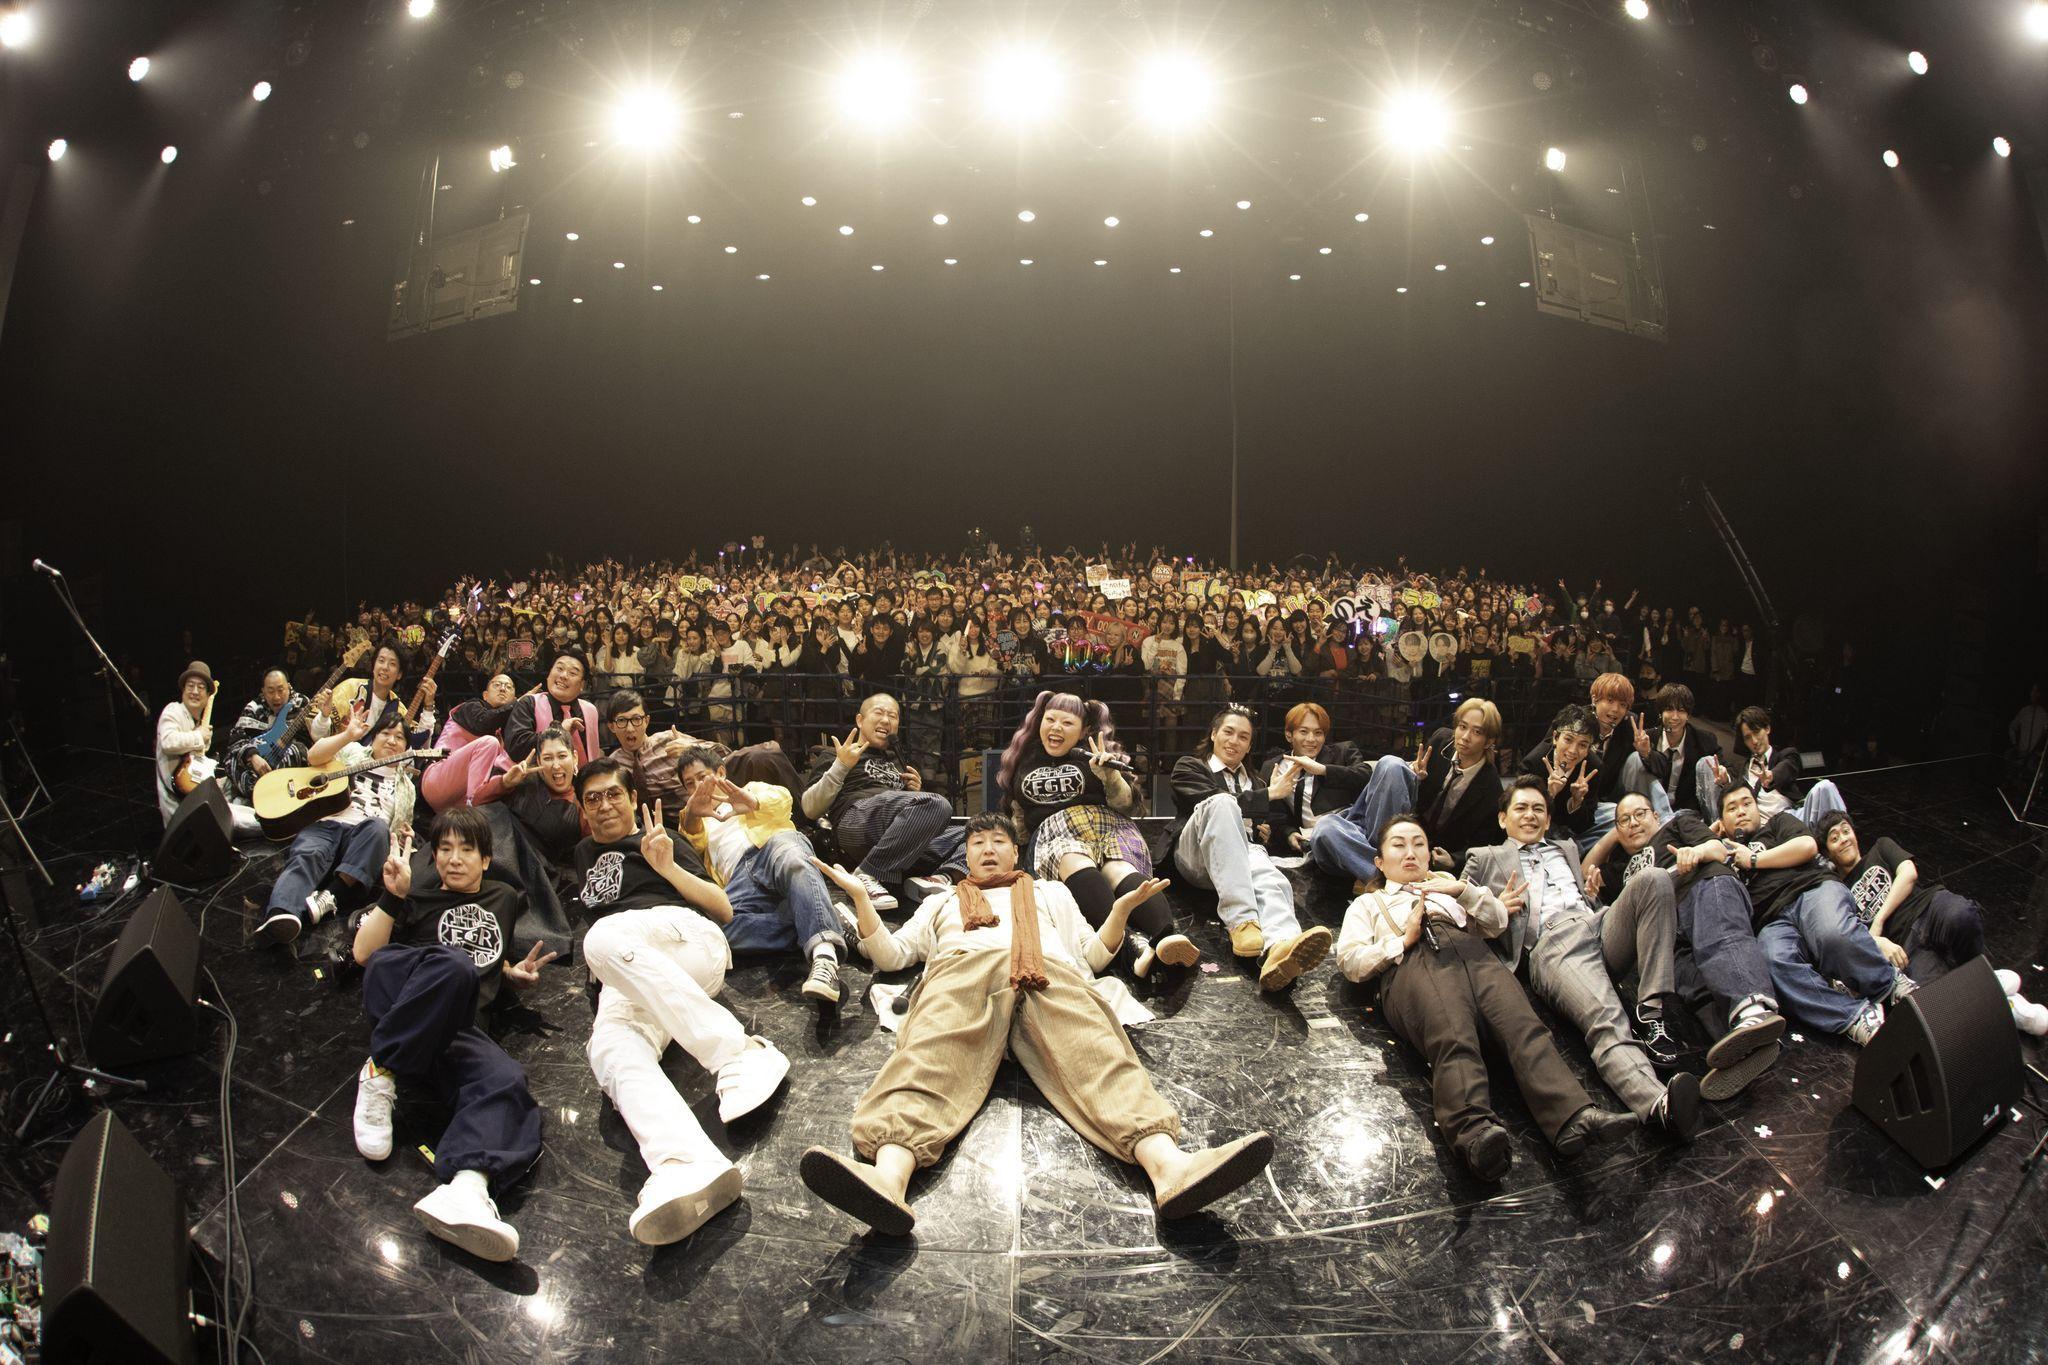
(1347,776)
(1563,820)
(1684,792)
(1194,782)
(1475,820)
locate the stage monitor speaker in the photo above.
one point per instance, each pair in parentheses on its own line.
(199,842)
(116,1267)
(1945,1065)
(146,1007)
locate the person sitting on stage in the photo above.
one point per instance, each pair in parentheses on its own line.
(1010,967)
(1721,968)
(1452,777)
(244,764)
(655,949)
(472,772)
(348,846)
(1563,763)
(1923,928)
(1576,947)
(779,899)
(1684,757)
(1772,774)
(1444,986)
(881,815)
(541,795)
(432,961)
(1219,843)
(1807,923)
(559,701)
(652,759)
(1330,776)
(181,731)
(1061,784)
(387,670)
(1620,757)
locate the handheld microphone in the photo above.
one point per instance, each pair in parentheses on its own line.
(1120,763)
(43,568)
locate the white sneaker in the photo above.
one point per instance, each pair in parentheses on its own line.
(320,905)
(678,1199)
(1866,1024)
(462,1212)
(2008,980)
(2030,1017)
(746,1082)
(376,1092)
(878,894)
(282,926)
(1901,988)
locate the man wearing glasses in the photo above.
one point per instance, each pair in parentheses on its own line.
(650,758)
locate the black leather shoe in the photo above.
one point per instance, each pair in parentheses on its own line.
(1678,1113)
(1488,1152)
(1658,1042)
(1591,1124)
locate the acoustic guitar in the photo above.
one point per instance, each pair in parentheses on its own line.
(289,799)
(198,767)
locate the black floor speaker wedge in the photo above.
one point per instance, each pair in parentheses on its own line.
(199,842)
(147,1006)
(1945,1065)
(116,1265)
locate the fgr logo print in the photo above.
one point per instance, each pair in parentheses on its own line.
(474,930)
(1052,786)
(607,875)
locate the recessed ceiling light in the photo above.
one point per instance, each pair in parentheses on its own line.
(810,201)
(1361,217)
(1400,289)
(534,280)
(731,250)
(952,260)
(1322,251)
(874,267)
(1173,270)
(1441,266)
(1025,261)
(577,299)
(618,265)
(1523,285)
(846,230)
(1294,277)
(1026,216)
(760,277)
(694,218)
(1486,240)
(1102,263)
(1207,232)
(656,288)
(941,219)
(1111,221)
(1479,303)
(1244,203)
(573,236)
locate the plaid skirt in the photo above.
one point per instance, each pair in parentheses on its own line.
(1096,832)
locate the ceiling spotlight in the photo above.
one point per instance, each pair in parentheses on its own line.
(1024,85)
(940,220)
(732,251)
(1244,203)
(1441,266)
(1361,217)
(809,202)
(874,267)
(952,260)
(573,236)
(577,299)
(534,280)
(846,229)
(1798,93)
(1294,277)
(1026,216)
(1322,251)
(875,89)
(419,9)
(1111,221)
(1400,289)
(1207,232)
(644,117)
(1523,285)
(656,288)
(1174,88)
(694,219)
(1636,9)
(1998,144)
(17,29)
(2036,22)
(760,277)
(1173,270)
(1891,158)
(167,155)
(58,146)
(260,91)
(1102,263)
(1415,120)
(1486,240)
(501,158)
(618,265)
(1025,261)
(1553,158)
(1917,63)
(138,68)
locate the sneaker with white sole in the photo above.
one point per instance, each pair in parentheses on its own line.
(879,895)
(320,905)
(461,1212)
(376,1093)
(2030,1017)
(1901,988)
(2008,980)
(1866,1024)
(747,1081)
(679,1198)
(822,985)
(280,926)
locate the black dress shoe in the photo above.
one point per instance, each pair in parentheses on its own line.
(1678,1113)
(1591,1124)
(1658,1042)
(1487,1151)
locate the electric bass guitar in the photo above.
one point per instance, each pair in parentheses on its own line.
(198,767)
(289,726)
(344,697)
(289,799)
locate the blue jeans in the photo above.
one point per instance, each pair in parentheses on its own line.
(1714,917)
(1947,933)
(324,848)
(779,900)
(1341,844)
(1820,940)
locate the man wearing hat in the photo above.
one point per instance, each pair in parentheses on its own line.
(182,730)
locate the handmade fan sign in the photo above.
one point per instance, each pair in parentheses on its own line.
(1443,647)
(1411,646)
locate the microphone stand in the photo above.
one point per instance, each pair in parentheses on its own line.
(108,672)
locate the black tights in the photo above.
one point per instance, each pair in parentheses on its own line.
(1091,891)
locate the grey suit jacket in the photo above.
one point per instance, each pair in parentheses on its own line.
(1491,867)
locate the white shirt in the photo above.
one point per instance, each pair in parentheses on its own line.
(1552,888)
(1237,782)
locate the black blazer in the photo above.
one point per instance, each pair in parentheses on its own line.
(1563,820)
(1347,776)
(1475,820)
(1684,792)
(1194,782)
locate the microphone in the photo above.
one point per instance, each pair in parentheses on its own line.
(1120,763)
(43,568)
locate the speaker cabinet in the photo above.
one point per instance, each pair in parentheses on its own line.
(116,1265)
(199,842)
(1945,1065)
(147,1003)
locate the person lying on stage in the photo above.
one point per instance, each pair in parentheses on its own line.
(1721,968)
(559,700)
(1424,932)
(1219,843)
(1073,805)
(258,714)
(882,817)
(780,901)
(541,795)
(1010,968)
(655,948)
(349,846)
(1923,928)
(1330,776)
(387,670)
(1806,922)
(433,960)
(1576,947)
(471,774)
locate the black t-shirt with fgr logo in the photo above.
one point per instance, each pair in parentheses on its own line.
(1772,891)
(479,923)
(613,877)
(877,771)
(1872,881)
(1045,784)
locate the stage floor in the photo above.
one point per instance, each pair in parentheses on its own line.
(1789,1230)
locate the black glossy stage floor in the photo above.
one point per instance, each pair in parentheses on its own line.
(1790,1230)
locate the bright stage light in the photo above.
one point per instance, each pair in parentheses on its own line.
(1891,158)
(846,229)
(1998,144)
(1441,266)
(1023,84)
(1111,221)
(167,155)
(2037,21)
(875,89)
(260,91)
(644,117)
(1026,216)
(137,69)
(1206,232)
(501,159)
(1361,218)
(1244,203)
(1174,88)
(618,265)
(1917,61)
(17,29)
(694,219)
(573,236)
(1636,9)
(810,201)
(1486,241)
(732,251)
(1553,159)
(1322,251)
(420,9)
(875,267)
(940,219)
(1415,120)
(1798,93)
(58,146)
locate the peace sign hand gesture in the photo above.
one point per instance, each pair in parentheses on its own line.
(527,971)
(1420,763)
(1584,785)
(656,845)
(849,751)
(398,868)
(1642,734)
(1099,757)
(1515,895)
(1559,776)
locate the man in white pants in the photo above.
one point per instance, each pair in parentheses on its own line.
(656,948)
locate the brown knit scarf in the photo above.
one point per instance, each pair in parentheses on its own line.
(1027,961)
